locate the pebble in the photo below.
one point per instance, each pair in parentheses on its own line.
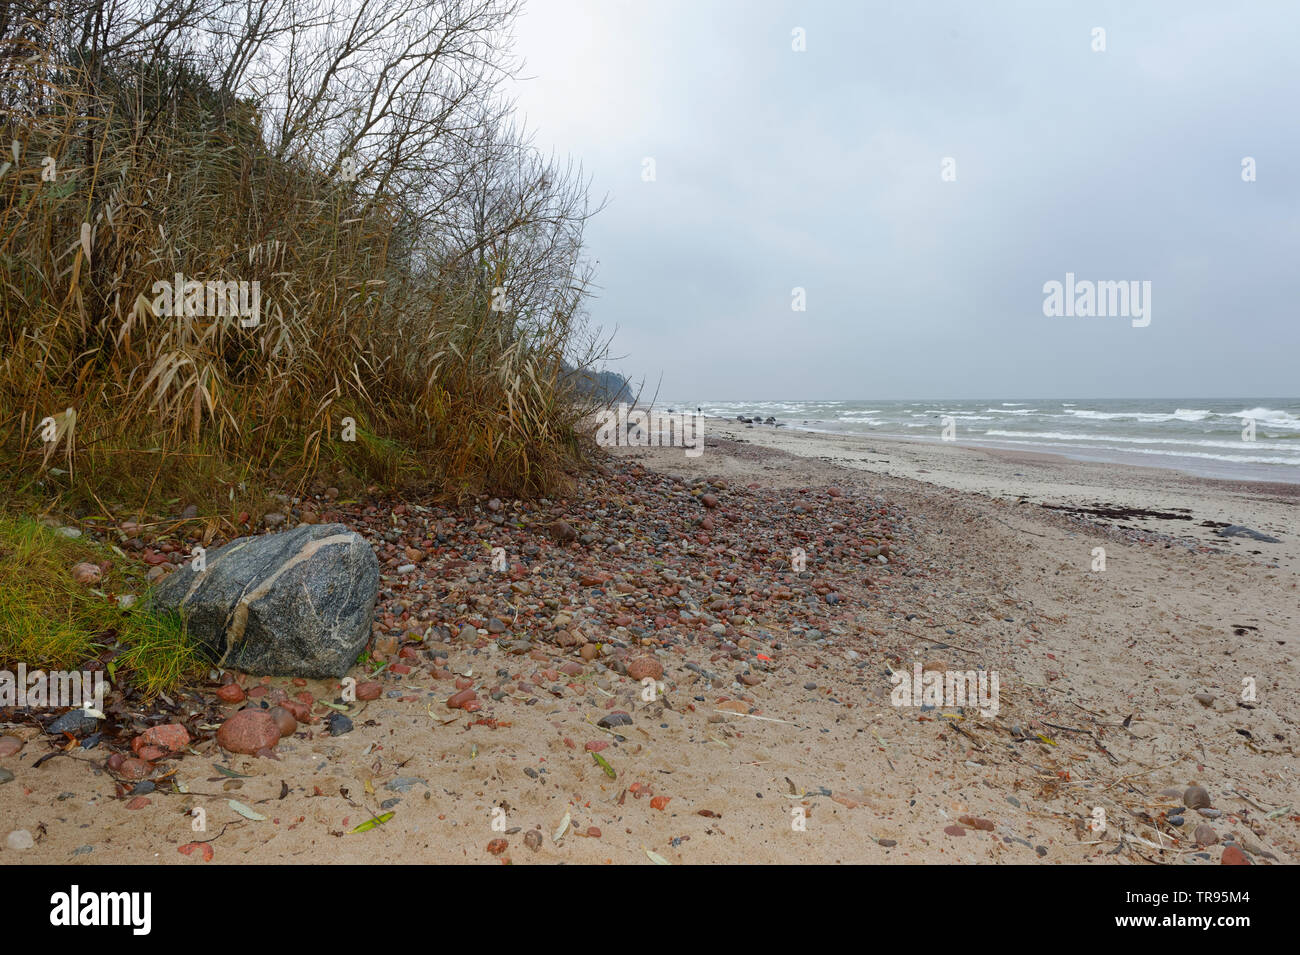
(75,722)
(458,700)
(1196,797)
(249,731)
(86,574)
(284,720)
(616,718)
(132,768)
(170,738)
(1233,856)
(10,745)
(6,776)
(563,532)
(645,668)
(339,724)
(231,693)
(298,709)
(1205,835)
(20,839)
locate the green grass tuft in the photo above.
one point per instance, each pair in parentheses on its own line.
(48,621)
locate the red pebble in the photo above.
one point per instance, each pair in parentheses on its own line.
(1233,856)
(231,693)
(460,701)
(205,851)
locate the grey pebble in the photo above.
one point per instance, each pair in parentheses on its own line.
(74,722)
(339,724)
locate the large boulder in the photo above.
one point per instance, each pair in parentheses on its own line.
(298,603)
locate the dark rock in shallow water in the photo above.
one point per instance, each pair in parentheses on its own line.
(1239,530)
(293,604)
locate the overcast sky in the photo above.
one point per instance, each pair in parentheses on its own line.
(821,169)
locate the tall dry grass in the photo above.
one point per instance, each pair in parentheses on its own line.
(420,266)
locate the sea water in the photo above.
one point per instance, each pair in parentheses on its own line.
(1240,438)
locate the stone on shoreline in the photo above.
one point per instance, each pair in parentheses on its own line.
(1239,530)
(298,603)
(249,732)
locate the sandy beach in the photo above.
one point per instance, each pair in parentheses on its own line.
(772,732)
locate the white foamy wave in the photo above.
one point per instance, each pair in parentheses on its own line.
(1185,442)
(1268,417)
(1203,455)
(1150,417)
